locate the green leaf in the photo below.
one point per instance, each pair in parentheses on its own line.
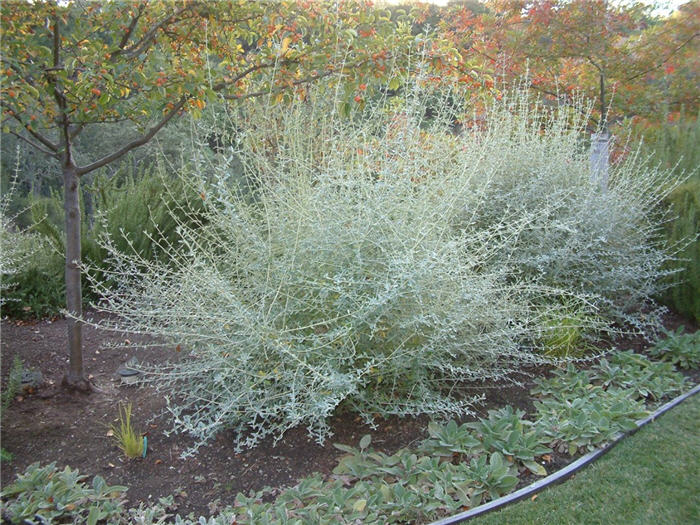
(345,448)
(535,467)
(359,505)
(365,441)
(93,516)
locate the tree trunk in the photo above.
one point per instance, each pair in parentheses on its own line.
(603,107)
(75,378)
(600,159)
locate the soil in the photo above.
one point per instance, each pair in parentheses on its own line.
(49,424)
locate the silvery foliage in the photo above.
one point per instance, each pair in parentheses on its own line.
(605,243)
(16,246)
(381,262)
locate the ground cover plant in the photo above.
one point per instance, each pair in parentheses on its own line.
(678,348)
(62,496)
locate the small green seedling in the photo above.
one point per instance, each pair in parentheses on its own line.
(131,442)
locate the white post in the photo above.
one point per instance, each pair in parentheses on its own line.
(600,155)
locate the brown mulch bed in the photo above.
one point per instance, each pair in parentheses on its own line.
(71,429)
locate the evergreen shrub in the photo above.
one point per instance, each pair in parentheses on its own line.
(674,145)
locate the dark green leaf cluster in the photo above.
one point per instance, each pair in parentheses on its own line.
(580,410)
(639,375)
(679,348)
(506,431)
(139,211)
(62,497)
(379,488)
(14,381)
(584,423)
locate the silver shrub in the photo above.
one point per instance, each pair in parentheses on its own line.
(17,246)
(604,243)
(380,263)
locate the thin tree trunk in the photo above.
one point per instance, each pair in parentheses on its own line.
(75,378)
(603,107)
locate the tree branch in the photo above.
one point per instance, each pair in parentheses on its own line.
(46,142)
(658,65)
(75,131)
(59,96)
(240,76)
(130,30)
(593,63)
(134,143)
(278,89)
(53,154)
(146,39)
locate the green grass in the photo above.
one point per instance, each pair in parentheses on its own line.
(651,477)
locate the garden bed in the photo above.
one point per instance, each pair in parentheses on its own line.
(49,425)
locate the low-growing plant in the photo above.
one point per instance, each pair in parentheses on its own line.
(679,348)
(493,475)
(565,329)
(362,463)
(564,384)
(127,438)
(61,496)
(14,380)
(450,439)
(6,456)
(452,469)
(156,513)
(638,375)
(585,423)
(372,486)
(563,337)
(506,431)
(12,386)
